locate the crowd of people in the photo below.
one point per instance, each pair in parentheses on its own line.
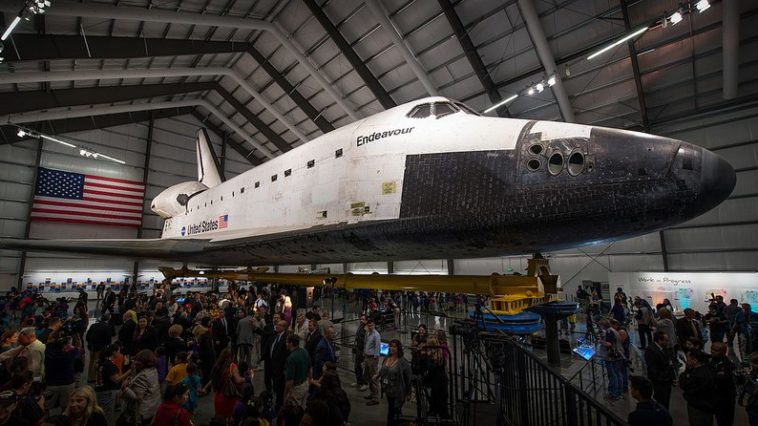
(714,382)
(147,360)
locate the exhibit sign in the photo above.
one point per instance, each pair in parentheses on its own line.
(688,289)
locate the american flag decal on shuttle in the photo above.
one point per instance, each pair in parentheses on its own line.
(223,221)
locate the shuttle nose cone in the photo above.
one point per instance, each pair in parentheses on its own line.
(717,180)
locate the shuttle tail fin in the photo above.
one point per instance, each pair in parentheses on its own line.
(208,167)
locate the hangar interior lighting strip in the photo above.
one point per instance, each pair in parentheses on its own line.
(669,18)
(84,152)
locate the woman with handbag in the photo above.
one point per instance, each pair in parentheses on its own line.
(141,391)
(227,384)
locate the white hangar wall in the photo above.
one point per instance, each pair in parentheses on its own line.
(721,240)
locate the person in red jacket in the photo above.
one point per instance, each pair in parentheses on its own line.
(171,412)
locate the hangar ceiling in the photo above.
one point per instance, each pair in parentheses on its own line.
(272,75)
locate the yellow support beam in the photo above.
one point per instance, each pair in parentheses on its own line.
(494,285)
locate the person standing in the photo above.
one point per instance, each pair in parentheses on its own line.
(371,357)
(645,321)
(143,389)
(660,368)
(60,357)
(614,356)
(245,338)
(99,336)
(698,387)
(33,350)
(324,353)
(360,344)
(278,360)
(108,381)
(749,395)
(395,376)
(722,369)
(297,373)
(687,327)
(648,411)
(313,339)
(100,289)
(219,330)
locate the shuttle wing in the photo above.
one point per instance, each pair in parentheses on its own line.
(133,248)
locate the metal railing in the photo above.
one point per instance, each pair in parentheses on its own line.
(525,390)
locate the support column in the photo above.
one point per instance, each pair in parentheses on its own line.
(28,226)
(664,253)
(145,175)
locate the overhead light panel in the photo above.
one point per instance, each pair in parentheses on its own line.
(551,81)
(530,91)
(675,18)
(21,133)
(540,87)
(617,42)
(493,107)
(702,6)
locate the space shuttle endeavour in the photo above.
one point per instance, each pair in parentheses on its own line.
(430,179)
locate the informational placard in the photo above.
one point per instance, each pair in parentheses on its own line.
(688,289)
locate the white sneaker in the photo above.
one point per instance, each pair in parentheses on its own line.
(363,388)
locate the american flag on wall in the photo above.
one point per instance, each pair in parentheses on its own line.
(78,198)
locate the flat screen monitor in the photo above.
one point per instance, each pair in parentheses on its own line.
(384,349)
(586,352)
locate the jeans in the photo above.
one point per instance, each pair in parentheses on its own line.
(615,380)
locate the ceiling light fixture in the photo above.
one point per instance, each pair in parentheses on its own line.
(11,27)
(702,6)
(531,91)
(617,42)
(551,81)
(493,107)
(84,152)
(540,87)
(675,18)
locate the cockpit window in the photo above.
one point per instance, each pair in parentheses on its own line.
(442,109)
(421,111)
(466,109)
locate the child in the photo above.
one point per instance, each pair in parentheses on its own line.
(194,383)
(179,371)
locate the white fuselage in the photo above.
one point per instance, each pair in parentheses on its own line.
(363,184)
